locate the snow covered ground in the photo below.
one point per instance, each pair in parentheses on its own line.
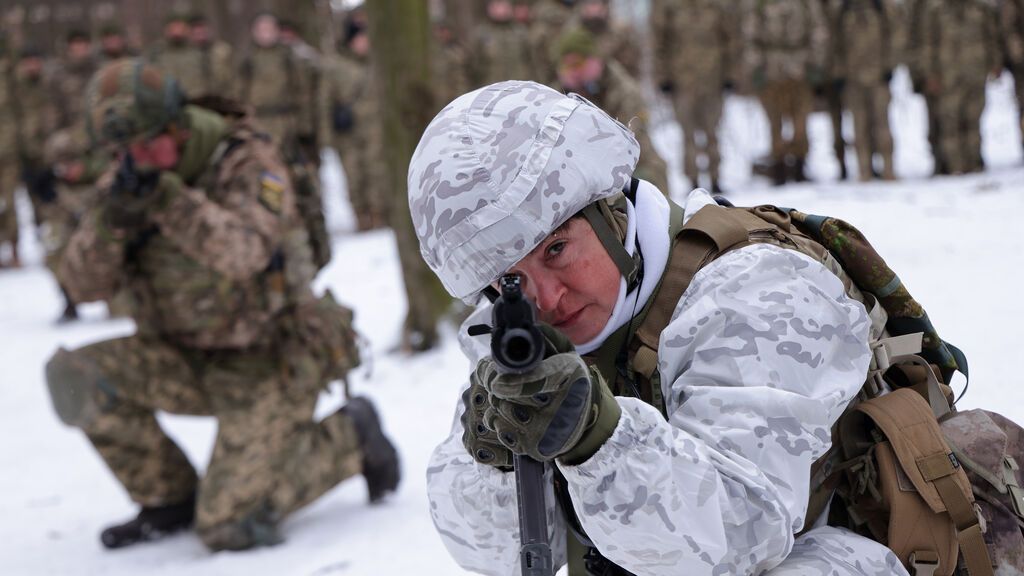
(954,241)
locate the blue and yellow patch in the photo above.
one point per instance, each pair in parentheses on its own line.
(272,191)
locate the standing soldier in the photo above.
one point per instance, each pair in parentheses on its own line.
(614,40)
(960,51)
(502,48)
(694,45)
(71,77)
(914,53)
(549,19)
(448,66)
(788,44)
(866,63)
(8,161)
(67,191)
(181,59)
(607,84)
(36,120)
(355,126)
(112,43)
(200,223)
(1012,21)
(832,89)
(281,88)
(215,60)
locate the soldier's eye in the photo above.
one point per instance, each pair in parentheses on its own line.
(555,249)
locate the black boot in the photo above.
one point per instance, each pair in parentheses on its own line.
(380,459)
(779,173)
(151,524)
(70,313)
(798,170)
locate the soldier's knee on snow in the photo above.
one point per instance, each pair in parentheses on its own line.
(74,384)
(252,531)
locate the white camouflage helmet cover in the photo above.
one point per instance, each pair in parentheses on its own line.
(500,168)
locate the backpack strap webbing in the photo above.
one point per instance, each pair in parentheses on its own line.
(711,232)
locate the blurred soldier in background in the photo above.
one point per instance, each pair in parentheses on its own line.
(501,49)
(282,89)
(9,168)
(450,59)
(694,48)
(180,58)
(1012,27)
(613,40)
(200,222)
(112,43)
(356,125)
(607,84)
(832,88)
(548,19)
(786,41)
(865,63)
(71,76)
(918,67)
(960,52)
(215,60)
(66,192)
(37,120)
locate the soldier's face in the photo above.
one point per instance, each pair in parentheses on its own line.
(157,153)
(113,44)
(265,31)
(572,280)
(200,34)
(576,71)
(499,11)
(79,50)
(176,31)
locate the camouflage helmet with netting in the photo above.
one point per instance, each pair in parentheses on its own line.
(502,167)
(129,99)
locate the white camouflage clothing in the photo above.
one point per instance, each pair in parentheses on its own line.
(762,355)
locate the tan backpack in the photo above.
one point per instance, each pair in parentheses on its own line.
(939,487)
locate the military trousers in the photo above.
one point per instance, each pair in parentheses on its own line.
(699,111)
(869,104)
(8,211)
(362,162)
(270,456)
(960,104)
(788,99)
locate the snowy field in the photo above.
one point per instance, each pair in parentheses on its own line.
(955,242)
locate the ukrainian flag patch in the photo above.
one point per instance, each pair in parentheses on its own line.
(272,191)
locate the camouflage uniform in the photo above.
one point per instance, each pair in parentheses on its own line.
(201,72)
(9,168)
(787,46)
(450,75)
(69,81)
(718,482)
(351,96)
(914,55)
(283,90)
(501,51)
(226,326)
(694,49)
(865,62)
(549,19)
(960,48)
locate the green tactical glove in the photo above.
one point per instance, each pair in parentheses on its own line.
(562,409)
(480,441)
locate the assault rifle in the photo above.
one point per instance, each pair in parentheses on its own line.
(517,347)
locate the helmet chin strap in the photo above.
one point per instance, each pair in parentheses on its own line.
(600,214)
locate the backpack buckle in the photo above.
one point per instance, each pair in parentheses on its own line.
(925,563)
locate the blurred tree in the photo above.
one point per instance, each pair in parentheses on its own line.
(400,40)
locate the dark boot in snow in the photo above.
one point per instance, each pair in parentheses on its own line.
(152,523)
(380,459)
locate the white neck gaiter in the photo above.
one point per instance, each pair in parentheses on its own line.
(647,225)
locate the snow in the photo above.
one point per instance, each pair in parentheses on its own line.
(953,240)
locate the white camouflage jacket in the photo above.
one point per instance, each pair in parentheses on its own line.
(763,353)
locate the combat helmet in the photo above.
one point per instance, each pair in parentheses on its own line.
(500,168)
(130,99)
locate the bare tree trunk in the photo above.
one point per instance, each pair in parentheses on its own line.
(401,42)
